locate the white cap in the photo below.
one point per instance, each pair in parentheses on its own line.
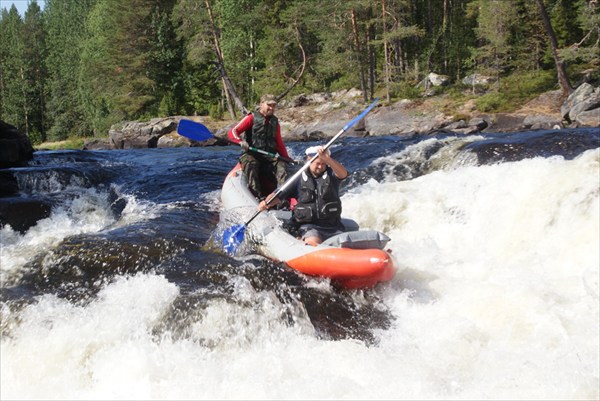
(313,150)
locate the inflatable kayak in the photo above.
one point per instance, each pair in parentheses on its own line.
(354,259)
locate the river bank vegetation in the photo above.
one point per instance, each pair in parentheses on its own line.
(76,67)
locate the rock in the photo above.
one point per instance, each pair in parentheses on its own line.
(467,130)
(399,119)
(579,95)
(8,183)
(433,79)
(327,107)
(319,97)
(97,144)
(299,101)
(587,104)
(541,121)
(461,124)
(173,140)
(136,134)
(391,120)
(15,147)
(347,95)
(479,123)
(504,122)
(438,80)
(23,213)
(590,118)
(478,80)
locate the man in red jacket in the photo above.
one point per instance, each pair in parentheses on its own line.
(261,130)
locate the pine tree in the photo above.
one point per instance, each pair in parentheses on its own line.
(65,25)
(495,20)
(585,47)
(13,84)
(34,39)
(166,62)
(118,77)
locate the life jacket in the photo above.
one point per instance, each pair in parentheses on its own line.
(318,200)
(262,135)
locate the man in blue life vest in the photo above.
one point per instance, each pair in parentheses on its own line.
(261,130)
(319,208)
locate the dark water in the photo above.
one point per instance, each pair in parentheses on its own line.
(157,210)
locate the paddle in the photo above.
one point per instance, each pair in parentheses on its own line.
(233,236)
(198,132)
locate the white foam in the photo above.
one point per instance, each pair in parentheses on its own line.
(89,212)
(498,299)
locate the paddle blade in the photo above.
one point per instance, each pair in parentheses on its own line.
(233,237)
(193,130)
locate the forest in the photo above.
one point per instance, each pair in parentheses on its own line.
(76,67)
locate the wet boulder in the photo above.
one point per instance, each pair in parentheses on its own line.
(15,146)
(137,134)
(23,213)
(8,184)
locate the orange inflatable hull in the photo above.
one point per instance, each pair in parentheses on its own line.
(352,268)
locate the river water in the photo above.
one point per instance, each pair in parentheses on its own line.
(121,294)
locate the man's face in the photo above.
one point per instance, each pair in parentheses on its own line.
(267,109)
(317,167)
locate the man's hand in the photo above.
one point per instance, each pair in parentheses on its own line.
(244,145)
(324,154)
(268,202)
(262,206)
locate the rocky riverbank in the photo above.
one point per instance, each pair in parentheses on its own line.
(317,116)
(321,115)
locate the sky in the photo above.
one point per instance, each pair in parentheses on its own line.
(21,5)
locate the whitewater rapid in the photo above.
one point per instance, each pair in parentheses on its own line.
(498,298)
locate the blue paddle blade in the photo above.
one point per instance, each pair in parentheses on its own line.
(233,237)
(193,130)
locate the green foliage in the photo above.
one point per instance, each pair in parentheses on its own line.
(516,89)
(405,90)
(35,73)
(495,29)
(215,111)
(65,31)
(35,137)
(584,48)
(564,18)
(79,66)
(12,84)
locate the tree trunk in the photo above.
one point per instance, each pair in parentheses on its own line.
(386,56)
(302,67)
(361,65)
(231,93)
(370,34)
(563,79)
